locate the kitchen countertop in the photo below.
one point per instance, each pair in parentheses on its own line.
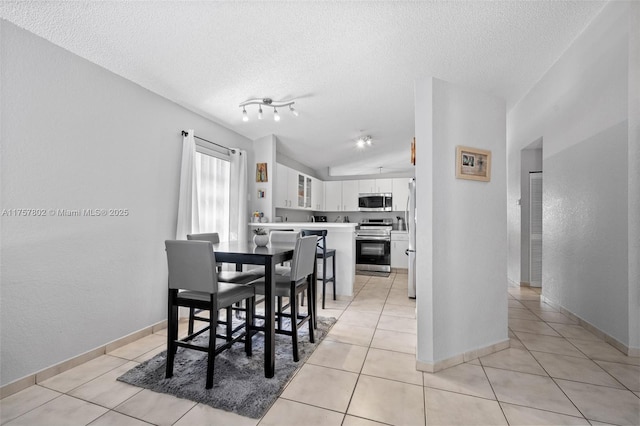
(310,225)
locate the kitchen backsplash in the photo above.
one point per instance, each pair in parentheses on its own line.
(305,216)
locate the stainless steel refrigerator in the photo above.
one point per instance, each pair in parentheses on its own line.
(411,220)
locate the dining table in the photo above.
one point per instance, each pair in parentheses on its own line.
(247,253)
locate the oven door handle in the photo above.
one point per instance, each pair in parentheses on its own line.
(372,238)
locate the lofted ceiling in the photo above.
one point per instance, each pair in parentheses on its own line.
(349,66)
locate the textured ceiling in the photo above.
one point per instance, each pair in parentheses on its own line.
(350,66)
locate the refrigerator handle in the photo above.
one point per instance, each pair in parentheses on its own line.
(406,214)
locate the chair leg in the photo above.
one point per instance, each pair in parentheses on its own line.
(294,324)
(192,314)
(251,307)
(333,264)
(324,282)
(172,333)
(310,311)
(211,354)
(279,312)
(229,324)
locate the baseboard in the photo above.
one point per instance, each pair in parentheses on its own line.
(525,284)
(461,358)
(400,270)
(593,329)
(46,373)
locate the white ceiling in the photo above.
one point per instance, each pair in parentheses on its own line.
(350,66)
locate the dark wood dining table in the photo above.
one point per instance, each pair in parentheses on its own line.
(247,253)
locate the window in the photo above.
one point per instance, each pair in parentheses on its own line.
(213,181)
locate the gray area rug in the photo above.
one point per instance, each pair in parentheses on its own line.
(239,384)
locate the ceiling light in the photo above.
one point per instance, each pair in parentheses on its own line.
(363,141)
(269,103)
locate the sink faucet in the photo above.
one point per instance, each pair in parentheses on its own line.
(313,218)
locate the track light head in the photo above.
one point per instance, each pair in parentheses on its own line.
(245,117)
(293,110)
(276,116)
(260,112)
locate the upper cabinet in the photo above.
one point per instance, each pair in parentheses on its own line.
(350,191)
(333,196)
(295,190)
(317,194)
(286,187)
(375,186)
(400,193)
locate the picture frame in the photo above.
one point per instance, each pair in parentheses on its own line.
(413,151)
(473,164)
(261,172)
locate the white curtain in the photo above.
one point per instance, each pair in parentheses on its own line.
(238,218)
(188,217)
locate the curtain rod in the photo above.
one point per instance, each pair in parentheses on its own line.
(233,151)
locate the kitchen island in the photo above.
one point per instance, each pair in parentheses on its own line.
(341,237)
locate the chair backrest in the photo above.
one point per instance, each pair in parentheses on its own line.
(212,237)
(304,257)
(192,265)
(283,237)
(322,240)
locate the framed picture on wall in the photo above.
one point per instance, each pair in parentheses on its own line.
(413,151)
(473,164)
(261,172)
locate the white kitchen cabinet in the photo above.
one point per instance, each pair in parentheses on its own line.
(350,191)
(286,187)
(399,245)
(333,196)
(317,194)
(400,194)
(375,185)
(293,190)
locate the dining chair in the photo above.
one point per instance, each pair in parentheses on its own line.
(297,281)
(234,277)
(324,253)
(193,283)
(283,237)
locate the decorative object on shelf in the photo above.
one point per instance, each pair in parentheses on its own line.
(261,172)
(363,141)
(261,238)
(473,164)
(262,193)
(268,102)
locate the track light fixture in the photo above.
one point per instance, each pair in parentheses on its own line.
(268,102)
(363,141)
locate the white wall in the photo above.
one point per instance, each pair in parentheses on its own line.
(461,249)
(580,108)
(75,136)
(634,178)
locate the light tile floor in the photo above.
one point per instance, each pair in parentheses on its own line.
(363,373)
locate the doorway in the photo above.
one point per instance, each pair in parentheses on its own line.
(531,214)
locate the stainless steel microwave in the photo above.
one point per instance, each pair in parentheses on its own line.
(374,202)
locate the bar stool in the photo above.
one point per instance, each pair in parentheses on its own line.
(322,252)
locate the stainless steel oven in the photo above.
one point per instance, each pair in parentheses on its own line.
(373,245)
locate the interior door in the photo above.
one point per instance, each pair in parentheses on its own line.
(535,229)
